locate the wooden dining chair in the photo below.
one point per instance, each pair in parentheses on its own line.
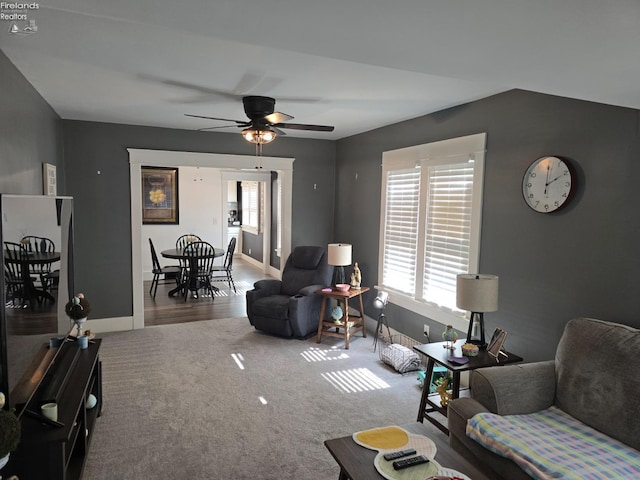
(13,279)
(181,242)
(200,257)
(168,274)
(224,272)
(46,274)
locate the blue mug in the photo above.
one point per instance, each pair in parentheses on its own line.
(83,341)
(55,342)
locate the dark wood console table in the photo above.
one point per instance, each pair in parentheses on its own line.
(59,452)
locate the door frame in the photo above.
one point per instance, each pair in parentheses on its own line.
(164,158)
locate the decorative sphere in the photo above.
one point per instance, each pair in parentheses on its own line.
(91,401)
(337,313)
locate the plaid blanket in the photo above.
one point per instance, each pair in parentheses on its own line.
(551,444)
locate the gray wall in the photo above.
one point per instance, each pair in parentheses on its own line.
(581,261)
(102,201)
(30,134)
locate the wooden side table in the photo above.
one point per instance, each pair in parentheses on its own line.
(436,353)
(350,324)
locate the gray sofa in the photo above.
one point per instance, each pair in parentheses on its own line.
(594,378)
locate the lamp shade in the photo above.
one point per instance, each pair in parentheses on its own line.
(477,292)
(339,254)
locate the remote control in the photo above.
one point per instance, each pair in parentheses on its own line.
(409,462)
(399,454)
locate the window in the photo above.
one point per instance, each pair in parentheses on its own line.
(430,225)
(251,206)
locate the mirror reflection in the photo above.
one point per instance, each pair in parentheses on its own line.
(37,256)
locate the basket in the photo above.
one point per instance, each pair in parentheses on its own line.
(397,351)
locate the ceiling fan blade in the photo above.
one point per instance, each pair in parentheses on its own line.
(241,123)
(215,128)
(277,117)
(278,131)
(302,126)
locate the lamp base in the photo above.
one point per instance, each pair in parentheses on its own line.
(338,275)
(476,324)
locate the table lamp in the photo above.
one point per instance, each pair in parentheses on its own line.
(339,257)
(477,293)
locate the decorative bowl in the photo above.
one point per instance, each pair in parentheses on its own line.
(343,287)
(470,350)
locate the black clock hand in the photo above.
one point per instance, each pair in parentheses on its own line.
(559,176)
(546,184)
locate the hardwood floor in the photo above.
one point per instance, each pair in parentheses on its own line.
(164,309)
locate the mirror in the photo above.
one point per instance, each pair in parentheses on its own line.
(35,295)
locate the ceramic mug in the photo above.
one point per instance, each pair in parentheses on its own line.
(50,410)
(55,342)
(83,341)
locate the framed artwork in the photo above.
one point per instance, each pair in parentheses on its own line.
(497,343)
(49,179)
(160,196)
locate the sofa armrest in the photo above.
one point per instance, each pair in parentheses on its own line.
(515,389)
(267,287)
(310,290)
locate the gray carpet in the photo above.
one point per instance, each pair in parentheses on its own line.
(177,405)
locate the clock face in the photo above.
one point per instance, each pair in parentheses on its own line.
(546,184)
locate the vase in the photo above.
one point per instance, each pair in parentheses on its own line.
(78,323)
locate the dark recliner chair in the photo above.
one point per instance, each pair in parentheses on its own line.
(289,307)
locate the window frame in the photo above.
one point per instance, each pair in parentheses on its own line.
(252,188)
(451,151)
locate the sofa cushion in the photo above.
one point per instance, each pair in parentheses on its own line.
(274,306)
(553,444)
(597,381)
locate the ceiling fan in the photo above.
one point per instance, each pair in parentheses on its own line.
(264,123)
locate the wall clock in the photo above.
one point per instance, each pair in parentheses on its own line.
(547,183)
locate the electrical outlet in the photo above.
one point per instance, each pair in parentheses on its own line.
(426,330)
(249,251)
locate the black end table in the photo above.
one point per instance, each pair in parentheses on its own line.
(437,353)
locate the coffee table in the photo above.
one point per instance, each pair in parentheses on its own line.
(356,462)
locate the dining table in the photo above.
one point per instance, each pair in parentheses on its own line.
(26,260)
(178,254)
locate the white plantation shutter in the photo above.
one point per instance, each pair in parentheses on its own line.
(448,231)
(401,229)
(430,227)
(251,204)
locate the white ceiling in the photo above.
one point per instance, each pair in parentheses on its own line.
(355,64)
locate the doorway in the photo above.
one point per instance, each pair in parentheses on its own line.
(236,165)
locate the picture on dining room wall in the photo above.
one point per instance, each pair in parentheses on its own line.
(160,196)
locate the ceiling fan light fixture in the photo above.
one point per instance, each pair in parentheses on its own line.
(259,136)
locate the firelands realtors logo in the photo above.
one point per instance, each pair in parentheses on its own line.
(18,16)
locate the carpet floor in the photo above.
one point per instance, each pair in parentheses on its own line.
(219,400)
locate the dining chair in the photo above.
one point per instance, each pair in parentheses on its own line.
(167,274)
(14,281)
(221,273)
(181,242)
(49,277)
(200,257)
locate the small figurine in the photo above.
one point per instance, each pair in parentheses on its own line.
(445,397)
(356,277)
(337,313)
(450,336)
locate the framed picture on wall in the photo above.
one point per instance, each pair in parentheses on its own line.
(160,196)
(49,179)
